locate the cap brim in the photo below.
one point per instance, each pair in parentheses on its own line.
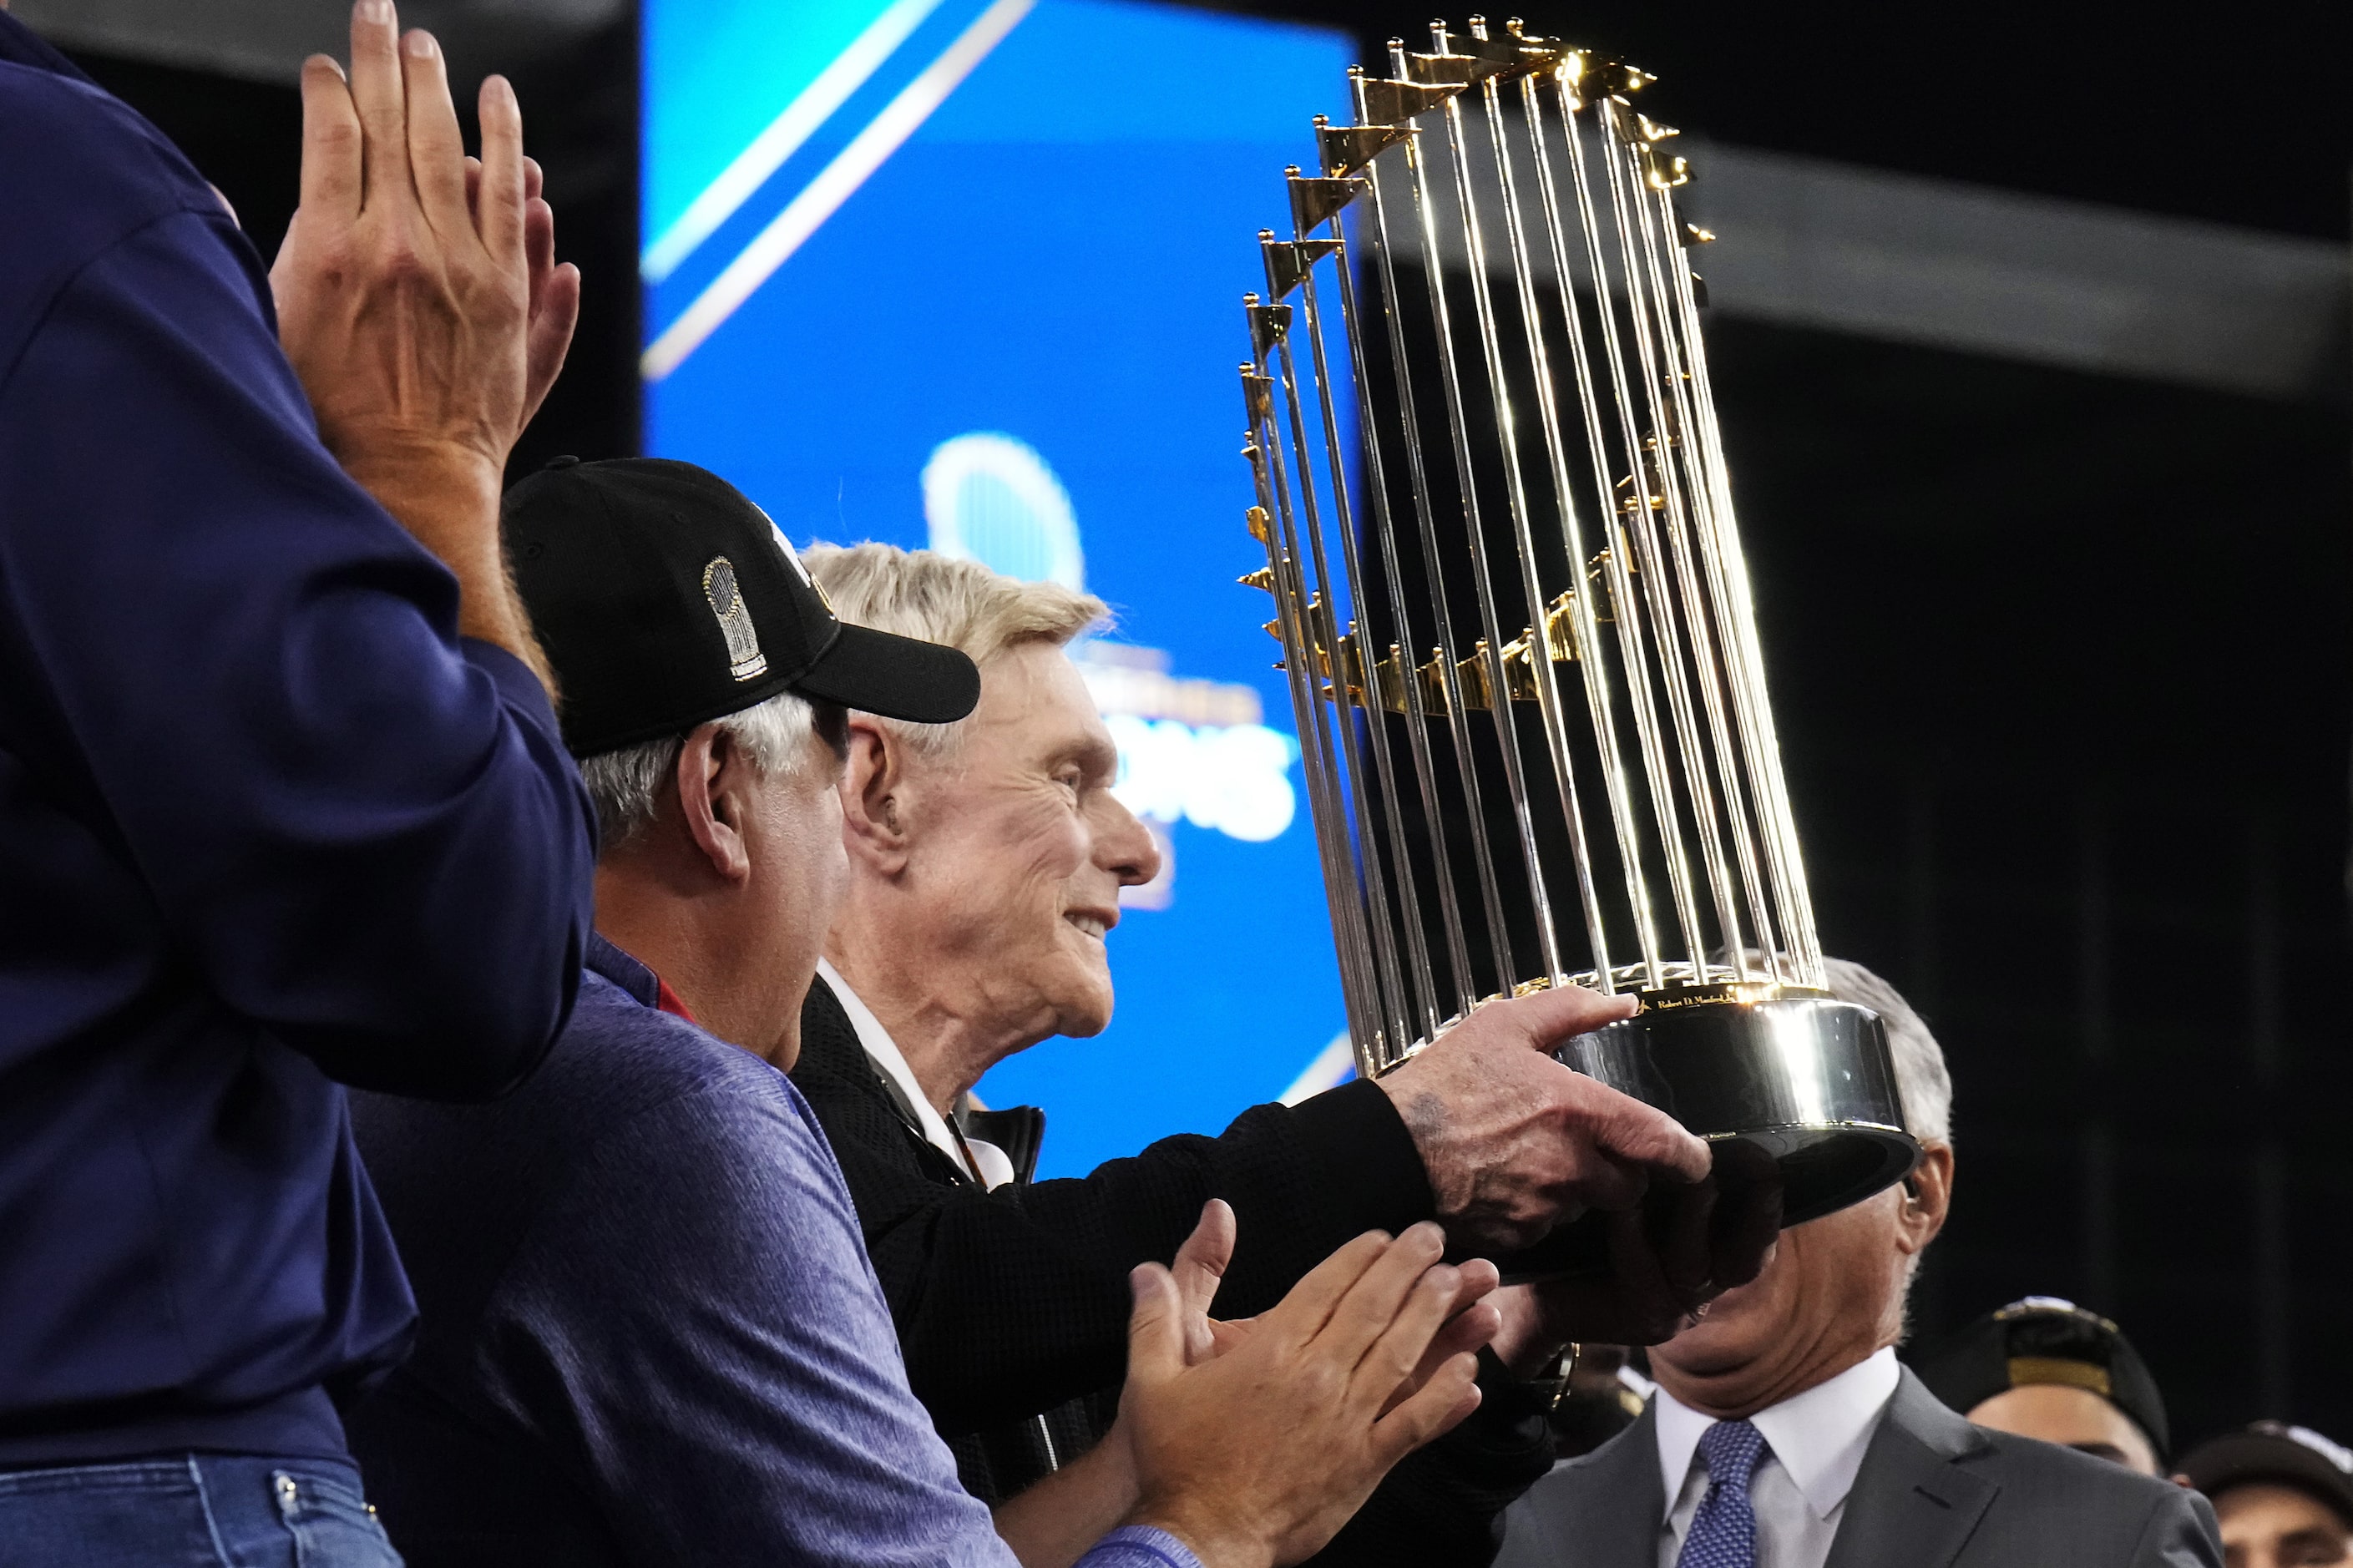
(895,677)
(2241,1457)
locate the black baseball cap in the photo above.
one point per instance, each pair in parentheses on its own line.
(2274,1451)
(2045,1340)
(665,599)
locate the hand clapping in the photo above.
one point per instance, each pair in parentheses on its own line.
(418,297)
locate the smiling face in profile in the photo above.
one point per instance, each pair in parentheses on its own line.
(1014,850)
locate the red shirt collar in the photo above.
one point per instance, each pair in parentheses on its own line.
(670,1002)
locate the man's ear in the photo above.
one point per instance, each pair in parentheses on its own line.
(873,792)
(1925,1197)
(715,780)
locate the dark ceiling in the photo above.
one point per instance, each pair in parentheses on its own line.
(2241,115)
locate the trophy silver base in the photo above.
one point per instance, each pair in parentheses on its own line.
(1807,1081)
(1800,1085)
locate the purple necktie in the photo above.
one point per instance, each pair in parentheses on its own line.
(1723,1532)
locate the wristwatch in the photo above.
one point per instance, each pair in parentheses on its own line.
(1551,1380)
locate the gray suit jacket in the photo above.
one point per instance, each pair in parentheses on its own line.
(1934,1492)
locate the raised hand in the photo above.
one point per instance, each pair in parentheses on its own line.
(1258,1453)
(1200,1267)
(555,289)
(418,297)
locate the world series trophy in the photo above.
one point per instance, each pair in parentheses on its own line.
(1515,618)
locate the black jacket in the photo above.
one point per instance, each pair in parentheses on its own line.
(1014,1303)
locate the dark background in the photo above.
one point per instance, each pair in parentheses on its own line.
(2062,662)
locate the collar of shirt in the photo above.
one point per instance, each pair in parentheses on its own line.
(885,1053)
(1819,1436)
(624,970)
(622,967)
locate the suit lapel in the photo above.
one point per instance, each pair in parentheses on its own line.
(1917,1498)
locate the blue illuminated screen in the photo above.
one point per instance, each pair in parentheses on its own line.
(968,275)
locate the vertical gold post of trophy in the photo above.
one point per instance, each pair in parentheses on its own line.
(1269,522)
(1540,59)
(1332,677)
(1317,202)
(1745,658)
(1546,686)
(1564,70)
(1652,176)
(1593,97)
(1488,653)
(1397,102)
(1655,516)
(1358,654)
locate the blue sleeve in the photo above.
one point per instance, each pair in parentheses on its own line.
(1139,1546)
(360,831)
(694,1326)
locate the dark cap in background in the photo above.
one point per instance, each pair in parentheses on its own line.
(665,599)
(2045,1340)
(2276,1452)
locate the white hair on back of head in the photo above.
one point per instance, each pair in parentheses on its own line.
(628,784)
(949,600)
(1922,1079)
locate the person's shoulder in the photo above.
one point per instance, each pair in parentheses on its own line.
(616,1065)
(632,1108)
(619,1058)
(1622,1473)
(1599,1508)
(830,1053)
(638,1108)
(88,166)
(840,1082)
(2094,1510)
(82,173)
(862,1124)
(2030,1471)
(2032,1466)
(1605,1470)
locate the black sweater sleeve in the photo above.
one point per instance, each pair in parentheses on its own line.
(1009,1302)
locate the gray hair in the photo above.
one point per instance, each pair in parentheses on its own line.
(1922,1080)
(945,599)
(628,784)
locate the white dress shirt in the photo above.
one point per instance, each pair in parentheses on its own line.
(989,1165)
(1814,1444)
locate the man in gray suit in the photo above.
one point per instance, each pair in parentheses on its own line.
(1784,1435)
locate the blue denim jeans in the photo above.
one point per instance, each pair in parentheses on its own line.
(191,1510)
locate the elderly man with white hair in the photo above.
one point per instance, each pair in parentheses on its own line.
(987,859)
(1784,1435)
(649,1334)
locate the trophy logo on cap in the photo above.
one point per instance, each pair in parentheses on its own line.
(1514,613)
(745,659)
